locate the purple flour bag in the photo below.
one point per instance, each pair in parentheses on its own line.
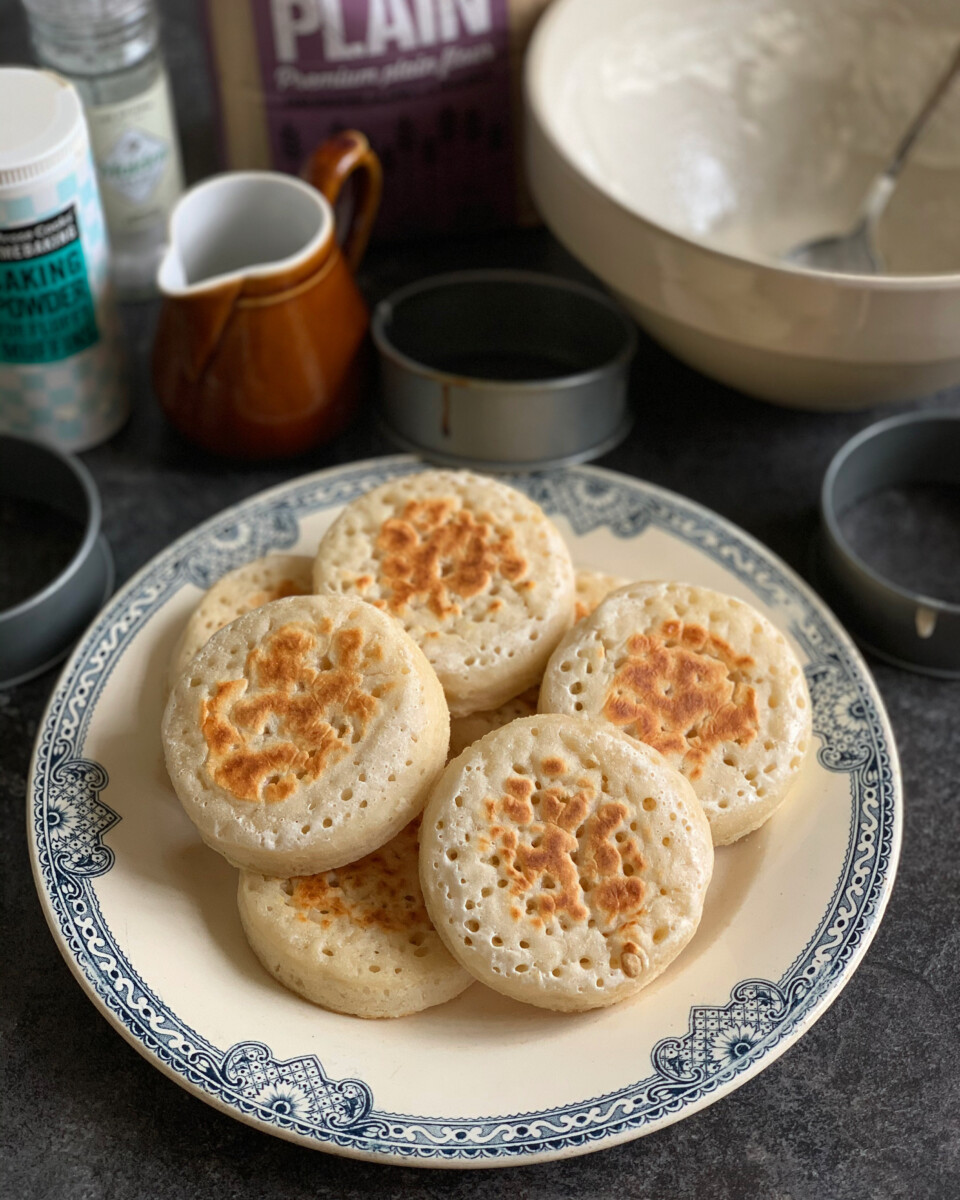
(434,84)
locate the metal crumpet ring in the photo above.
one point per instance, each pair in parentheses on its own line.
(40,626)
(504,370)
(903,626)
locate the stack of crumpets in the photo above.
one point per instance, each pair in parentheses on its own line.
(438,754)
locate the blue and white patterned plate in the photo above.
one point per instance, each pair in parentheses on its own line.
(146,918)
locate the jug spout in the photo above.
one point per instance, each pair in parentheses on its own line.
(192,319)
(253,231)
(171,275)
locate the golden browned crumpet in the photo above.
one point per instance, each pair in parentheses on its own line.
(592,587)
(563,863)
(272,577)
(472,569)
(703,678)
(355,940)
(305,734)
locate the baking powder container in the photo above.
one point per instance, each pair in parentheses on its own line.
(39,630)
(899,624)
(504,370)
(60,376)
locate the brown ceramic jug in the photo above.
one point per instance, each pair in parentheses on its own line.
(257,352)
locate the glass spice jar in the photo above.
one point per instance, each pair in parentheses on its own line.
(110,50)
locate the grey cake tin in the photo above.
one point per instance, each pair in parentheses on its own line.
(504,370)
(38,632)
(904,627)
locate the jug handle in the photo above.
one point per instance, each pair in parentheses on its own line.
(329,168)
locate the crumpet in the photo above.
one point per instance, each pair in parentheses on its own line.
(704,679)
(592,587)
(355,940)
(563,863)
(464,731)
(272,577)
(305,734)
(472,569)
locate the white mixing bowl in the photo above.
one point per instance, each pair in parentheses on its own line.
(677,147)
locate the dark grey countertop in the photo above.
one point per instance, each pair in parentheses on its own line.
(867,1104)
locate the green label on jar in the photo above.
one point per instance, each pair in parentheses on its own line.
(46,309)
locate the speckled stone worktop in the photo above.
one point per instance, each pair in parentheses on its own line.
(866,1105)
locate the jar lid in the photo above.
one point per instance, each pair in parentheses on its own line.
(42,122)
(83,12)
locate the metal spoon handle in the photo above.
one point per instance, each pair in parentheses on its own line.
(905,145)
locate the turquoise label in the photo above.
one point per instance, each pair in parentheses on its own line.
(46,309)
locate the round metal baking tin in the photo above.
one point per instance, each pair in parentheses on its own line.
(38,632)
(907,628)
(504,370)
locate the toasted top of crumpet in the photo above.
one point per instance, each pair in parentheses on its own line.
(563,863)
(270,578)
(305,734)
(704,679)
(356,939)
(592,587)
(472,569)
